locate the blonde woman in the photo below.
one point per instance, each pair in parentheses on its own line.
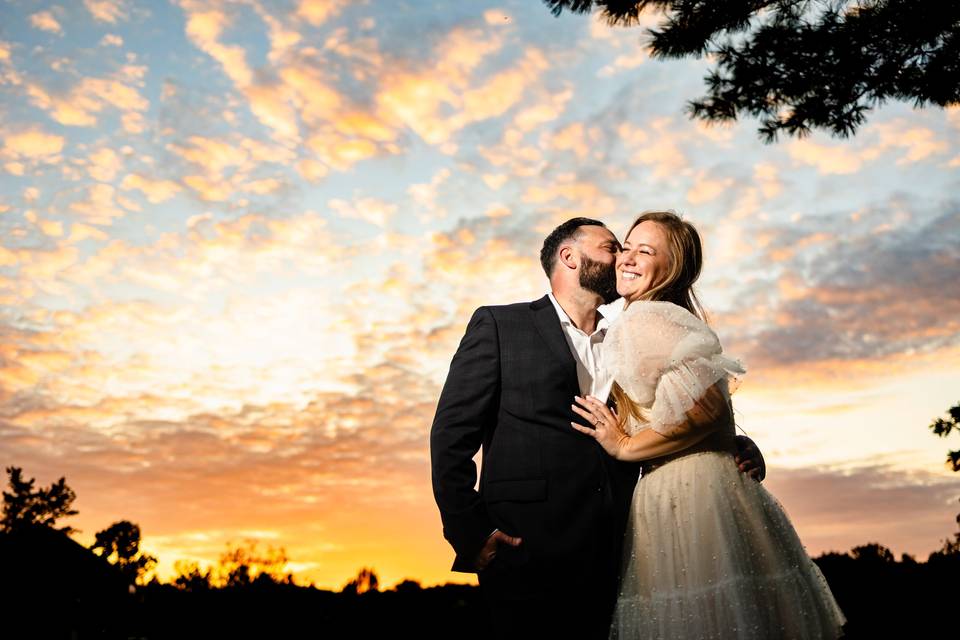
(708,553)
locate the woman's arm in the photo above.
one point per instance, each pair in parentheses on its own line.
(708,414)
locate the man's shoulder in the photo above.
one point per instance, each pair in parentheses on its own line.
(515,308)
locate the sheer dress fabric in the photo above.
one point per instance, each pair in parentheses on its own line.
(708,552)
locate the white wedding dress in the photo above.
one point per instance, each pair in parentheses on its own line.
(709,552)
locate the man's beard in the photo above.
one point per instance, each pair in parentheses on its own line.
(599,278)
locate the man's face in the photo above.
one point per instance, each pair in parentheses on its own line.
(598,249)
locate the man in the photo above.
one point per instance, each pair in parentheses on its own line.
(544,532)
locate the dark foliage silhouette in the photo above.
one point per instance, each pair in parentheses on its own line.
(190,577)
(365,581)
(244,564)
(120,545)
(798,66)
(943,427)
(24,508)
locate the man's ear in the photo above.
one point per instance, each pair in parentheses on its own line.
(568,257)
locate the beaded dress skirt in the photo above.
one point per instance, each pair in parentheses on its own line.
(710,553)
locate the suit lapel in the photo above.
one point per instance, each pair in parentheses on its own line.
(548,325)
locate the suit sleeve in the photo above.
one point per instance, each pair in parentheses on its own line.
(466,411)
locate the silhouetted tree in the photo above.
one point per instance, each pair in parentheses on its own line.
(873,553)
(804,65)
(189,577)
(950,548)
(242,565)
(23,507)
(365,581)
(943,428)
(120,545)
(408,586)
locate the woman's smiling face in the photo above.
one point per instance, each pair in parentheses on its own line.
(644,260)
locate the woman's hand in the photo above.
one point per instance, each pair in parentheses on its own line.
(606,425)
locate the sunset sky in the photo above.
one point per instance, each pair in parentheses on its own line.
(240,242)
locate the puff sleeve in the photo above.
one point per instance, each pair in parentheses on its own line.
(671,363)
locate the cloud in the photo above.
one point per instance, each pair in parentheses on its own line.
(828,159)
(425,195)
(80,105)
(217,168)
(587,195)
(205,26)
(919,142)
(155,190)
(45,21)
(623,62)
(417,97)
(656,145)
(210,154)
(316,12)
(835,510)
(52,228)
(110,11)
(376,212)
(33,144)
(843,290)
(296,96)
(80,232)
(878,140)
(103,164)
(99,206)
(706,188)
(209,255)
(572,137)
(542,110)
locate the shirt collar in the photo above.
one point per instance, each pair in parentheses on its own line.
(602,322)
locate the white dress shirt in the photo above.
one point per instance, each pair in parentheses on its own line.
(587,353)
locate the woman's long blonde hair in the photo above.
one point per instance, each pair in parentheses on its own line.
(685,254)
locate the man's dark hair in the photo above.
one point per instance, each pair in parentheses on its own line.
(569,230)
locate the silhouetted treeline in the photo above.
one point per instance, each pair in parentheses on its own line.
(886,598)
(53,587)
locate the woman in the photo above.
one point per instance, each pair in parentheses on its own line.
(708,552)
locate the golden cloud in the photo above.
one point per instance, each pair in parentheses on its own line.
(155,190)
(103,164)
(33,144)
(99,207)
(205,25)
(45,21)
(316,12)
(110,11)
(705,188)
(79,106)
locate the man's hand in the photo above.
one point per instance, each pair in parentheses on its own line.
(489,550)
(749,458)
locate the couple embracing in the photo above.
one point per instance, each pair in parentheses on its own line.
(569,410)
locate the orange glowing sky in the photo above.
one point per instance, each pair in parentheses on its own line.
(241,241)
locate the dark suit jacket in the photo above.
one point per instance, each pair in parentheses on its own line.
(508,392)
